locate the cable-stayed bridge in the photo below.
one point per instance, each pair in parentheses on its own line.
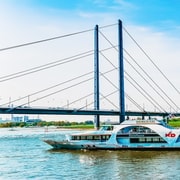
(23,105)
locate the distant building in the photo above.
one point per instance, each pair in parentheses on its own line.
(20,119)
(17,119)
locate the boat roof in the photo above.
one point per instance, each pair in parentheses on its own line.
(136,122)
(148,121)
(144,122)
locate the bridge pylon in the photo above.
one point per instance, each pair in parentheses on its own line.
(121,75)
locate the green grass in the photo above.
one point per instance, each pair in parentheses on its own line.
(79,126)
(174,123)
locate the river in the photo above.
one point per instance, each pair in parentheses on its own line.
(23,155)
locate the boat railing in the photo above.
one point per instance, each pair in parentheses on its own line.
(136,132)
(147,121)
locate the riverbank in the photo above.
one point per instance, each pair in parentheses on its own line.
(68,125)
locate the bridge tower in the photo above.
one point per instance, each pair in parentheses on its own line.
(121,75)
(96,76)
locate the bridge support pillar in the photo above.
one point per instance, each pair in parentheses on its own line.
(96,76)
(121,74)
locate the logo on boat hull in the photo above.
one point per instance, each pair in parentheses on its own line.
(170,134)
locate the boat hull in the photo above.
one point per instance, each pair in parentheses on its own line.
(63,145)
(76,146)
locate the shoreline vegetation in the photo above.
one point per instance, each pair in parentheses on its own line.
(174,122)
(69,125)
(58,124)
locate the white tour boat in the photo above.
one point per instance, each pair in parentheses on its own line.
(131,134)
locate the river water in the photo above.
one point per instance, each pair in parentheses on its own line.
(23,155)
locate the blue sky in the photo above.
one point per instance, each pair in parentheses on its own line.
(155,13)
(155,24)
(159,15)
(152,12)
(74,15)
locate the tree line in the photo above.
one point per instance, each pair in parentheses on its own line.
(89,123)
(45,123)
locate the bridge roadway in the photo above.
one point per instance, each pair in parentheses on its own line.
(62,111)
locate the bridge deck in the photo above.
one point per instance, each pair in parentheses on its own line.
(61,111)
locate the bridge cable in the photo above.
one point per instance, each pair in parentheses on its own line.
(52,38)
(46,66)
(129,81)
(143,71)
(115,85)
(103,97)
(136,104)
(46,89)
(51,86)
(50,94)
(146,95)
(80,99)
(101,74)
(152,61)
(44,40)
(49,65)
(84,81)
(152,81)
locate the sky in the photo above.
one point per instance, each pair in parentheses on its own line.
(154,24)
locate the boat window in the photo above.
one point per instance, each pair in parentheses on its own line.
(155,139)
(92,137)
(97,137)
(135,130)
(83,137)
(134,140)
(89,137)
(142,140)
(78,137)
(147,140)
(105,137)
(73,138)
